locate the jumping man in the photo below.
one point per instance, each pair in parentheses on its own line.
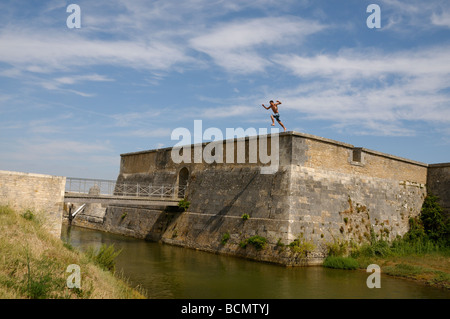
(276,115)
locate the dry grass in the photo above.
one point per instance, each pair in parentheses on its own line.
(33,264)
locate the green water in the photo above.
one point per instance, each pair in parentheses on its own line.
(173,272)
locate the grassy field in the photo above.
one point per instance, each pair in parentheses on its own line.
(33,264)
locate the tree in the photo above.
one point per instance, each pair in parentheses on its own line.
(435,224)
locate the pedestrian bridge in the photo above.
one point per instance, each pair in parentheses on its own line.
(87,191)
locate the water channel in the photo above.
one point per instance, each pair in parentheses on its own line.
(169,272)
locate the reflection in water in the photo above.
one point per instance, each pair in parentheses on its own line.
(173,272)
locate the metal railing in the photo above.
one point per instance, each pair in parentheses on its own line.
(83,185)
(111,188)
(149,190)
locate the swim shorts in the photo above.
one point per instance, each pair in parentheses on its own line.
(277,117)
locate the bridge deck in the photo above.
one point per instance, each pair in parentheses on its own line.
(87,191)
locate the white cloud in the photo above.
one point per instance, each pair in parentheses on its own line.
(48,125)
(414,15)
(373,92)
(228,111)
(52,51)
(242,46)
(370,127)
(351,65)
(61,83)
(43,149)
(146,133)
(133,118)
(441,19)
(80,78)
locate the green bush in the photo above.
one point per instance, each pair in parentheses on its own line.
(428,233)
(301,246)
(105,257)
(435,224)
(280,243)
(376,248)
(336,248)
(338,262)
(225,238)
(245,216)
(184,205)
(28,215)
(258,242)
(380,248)
(416,230)
(420,246)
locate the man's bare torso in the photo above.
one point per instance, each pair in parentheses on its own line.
(274,108)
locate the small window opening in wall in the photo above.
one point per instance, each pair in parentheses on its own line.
(357,157)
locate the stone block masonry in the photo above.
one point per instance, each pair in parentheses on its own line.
(438,182)
(43,194)
(323,191)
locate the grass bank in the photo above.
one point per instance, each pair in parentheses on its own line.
(430,269)
(33,264)
(421,261)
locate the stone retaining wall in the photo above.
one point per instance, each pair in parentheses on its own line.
(43,194)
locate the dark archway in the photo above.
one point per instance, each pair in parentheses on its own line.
(183,177)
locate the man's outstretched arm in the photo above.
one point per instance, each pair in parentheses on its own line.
(268,107)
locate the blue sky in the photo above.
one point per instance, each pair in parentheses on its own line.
(73,100)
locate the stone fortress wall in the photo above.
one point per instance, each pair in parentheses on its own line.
(323,191)
(438,183)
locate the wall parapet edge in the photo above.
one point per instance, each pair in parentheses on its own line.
(439,165)
(297,134)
